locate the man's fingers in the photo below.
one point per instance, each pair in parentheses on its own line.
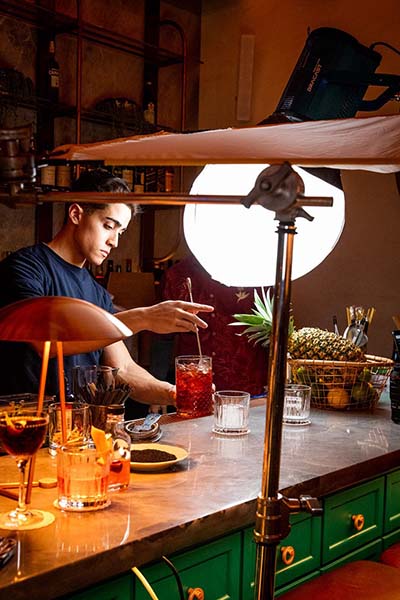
(200,323)
(194,306)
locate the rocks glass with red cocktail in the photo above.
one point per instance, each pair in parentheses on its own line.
(193,379)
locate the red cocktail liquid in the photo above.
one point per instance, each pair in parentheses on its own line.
(22,436)
(194,388)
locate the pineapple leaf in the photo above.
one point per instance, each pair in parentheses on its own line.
(259,323)
(247,319)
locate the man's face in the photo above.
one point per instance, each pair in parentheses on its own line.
(98,232)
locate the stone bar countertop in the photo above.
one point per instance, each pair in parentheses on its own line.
(211,493)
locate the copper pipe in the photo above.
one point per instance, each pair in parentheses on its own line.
(161,198)
(79,62)
(179,29)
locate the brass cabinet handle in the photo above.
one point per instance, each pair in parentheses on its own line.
(288,554)
(195,594)
(358,521)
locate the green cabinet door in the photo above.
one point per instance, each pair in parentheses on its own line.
(392,506)
(119,588)
(371,551)
(352,519)
(214,567)
(297,555)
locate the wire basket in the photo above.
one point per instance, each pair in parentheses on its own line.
(343,385)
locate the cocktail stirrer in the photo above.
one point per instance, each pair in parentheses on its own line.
(189,286)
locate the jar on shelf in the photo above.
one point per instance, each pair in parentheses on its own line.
(121,448)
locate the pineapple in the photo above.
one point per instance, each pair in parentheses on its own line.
(315,344)
(306,343)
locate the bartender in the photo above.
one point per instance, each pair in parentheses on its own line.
(58,268)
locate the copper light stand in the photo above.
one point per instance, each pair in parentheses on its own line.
(280,189)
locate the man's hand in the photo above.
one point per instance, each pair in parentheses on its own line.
(166,317)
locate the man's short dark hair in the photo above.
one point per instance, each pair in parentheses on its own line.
(101,180)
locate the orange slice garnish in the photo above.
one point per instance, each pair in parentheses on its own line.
(13,425)
(102,441)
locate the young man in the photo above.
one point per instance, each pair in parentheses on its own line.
(58,269)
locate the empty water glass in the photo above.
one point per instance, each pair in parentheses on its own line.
(296,408)
(231,412)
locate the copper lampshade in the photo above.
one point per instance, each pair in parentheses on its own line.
(80,325)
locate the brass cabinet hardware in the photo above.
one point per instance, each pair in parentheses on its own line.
(288,554)
(358,521)
(195,594)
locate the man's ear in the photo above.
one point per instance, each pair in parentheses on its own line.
(75,212)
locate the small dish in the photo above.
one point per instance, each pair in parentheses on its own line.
(179,452)
(153,434)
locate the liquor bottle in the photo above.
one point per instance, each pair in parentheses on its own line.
(110,269)
(139,180)
(128,265)
(394,381)
(100,278)
(63,177)
(169,179)
(150,179)
(53,74)
(149,103)
(128,175)
(121,448)
(47,173)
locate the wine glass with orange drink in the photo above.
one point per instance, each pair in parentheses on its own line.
(22,432)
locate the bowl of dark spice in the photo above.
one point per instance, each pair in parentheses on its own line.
(155,457)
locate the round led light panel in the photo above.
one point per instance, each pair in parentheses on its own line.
(237,246)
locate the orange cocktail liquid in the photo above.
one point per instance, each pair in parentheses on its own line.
(120,472)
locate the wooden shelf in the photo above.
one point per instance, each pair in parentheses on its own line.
(43,18)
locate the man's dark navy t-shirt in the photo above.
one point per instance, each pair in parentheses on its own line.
(38,271)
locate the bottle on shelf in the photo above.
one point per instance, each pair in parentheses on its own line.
(109,270)
(53,74)
(139,180)
(128,175)
(128,265)
(149,103)
(99,276)
(63,177)
(169,179)
(47,173)
(150,179)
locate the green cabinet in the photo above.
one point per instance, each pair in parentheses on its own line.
(392,502)
(297,555)
(357,523)
(371,551)
(214,567)
(352,519)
